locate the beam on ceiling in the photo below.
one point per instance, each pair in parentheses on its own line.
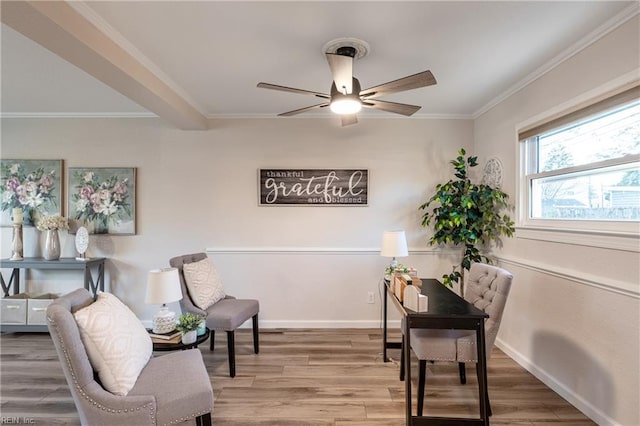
(58,27)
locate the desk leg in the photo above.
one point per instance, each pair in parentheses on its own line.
(407,367)
(384,327)
(482,373)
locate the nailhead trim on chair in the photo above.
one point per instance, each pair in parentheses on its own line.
(466,360)
(81,390)
(103,408)
(189,417)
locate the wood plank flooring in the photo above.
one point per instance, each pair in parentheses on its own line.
(301,377)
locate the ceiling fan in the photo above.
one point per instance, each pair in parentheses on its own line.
(346,97)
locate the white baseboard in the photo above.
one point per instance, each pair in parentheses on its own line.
(311,324)
(577,401)
(322,324)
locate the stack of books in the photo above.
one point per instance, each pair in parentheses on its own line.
(171,337)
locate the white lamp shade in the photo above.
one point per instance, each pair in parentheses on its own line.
(394,244)
(163,286)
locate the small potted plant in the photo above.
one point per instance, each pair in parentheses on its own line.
(188,324)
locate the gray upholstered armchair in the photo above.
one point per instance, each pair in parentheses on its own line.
(171,389)
(225,315)
(487,289)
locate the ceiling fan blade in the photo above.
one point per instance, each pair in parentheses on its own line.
(342,72)
(301,110)
(404,109)
(348,120)
(292,90)
(415,81)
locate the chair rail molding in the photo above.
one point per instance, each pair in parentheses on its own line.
(597,281)
(323,250)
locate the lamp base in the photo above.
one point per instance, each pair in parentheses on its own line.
(164,321)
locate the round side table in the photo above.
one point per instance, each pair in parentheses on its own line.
(179,346)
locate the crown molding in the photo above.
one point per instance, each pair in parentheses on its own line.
(219,116)
(331,115)
(572,50)
(78,115)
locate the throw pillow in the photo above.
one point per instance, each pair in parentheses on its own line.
(117,343)
(203,283)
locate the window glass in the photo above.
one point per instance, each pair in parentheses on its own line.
(611,193)
(611,135)
(587,171)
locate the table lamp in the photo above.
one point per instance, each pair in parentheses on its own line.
(394,244)
(163,286)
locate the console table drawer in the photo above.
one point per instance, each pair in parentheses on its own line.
(37,308)
(13,309)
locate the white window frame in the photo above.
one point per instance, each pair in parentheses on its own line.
(619,235)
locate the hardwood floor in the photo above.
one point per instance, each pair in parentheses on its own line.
(300,377)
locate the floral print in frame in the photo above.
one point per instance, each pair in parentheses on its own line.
(35,186)
(102,199)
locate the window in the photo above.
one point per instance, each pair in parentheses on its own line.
(582,170)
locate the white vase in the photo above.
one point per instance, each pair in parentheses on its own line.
(51,250)
(189,337)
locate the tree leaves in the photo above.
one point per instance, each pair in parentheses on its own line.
(466,214)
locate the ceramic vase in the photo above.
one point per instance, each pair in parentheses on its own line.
(51,250)
(189,337)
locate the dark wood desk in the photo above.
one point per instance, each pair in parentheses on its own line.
(447,310)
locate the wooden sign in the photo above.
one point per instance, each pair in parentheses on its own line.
(313,187)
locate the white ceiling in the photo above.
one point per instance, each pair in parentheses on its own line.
(214,53)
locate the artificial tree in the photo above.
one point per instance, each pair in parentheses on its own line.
(467,215)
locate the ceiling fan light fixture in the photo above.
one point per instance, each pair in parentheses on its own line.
(346,105)
(346,97)
(343,103)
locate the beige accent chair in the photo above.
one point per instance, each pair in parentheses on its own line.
(487,289)
(171,389)
(225,315)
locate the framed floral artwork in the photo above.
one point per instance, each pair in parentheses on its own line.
(102,199)
(35,186)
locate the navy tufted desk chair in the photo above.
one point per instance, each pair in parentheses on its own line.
(487,289)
